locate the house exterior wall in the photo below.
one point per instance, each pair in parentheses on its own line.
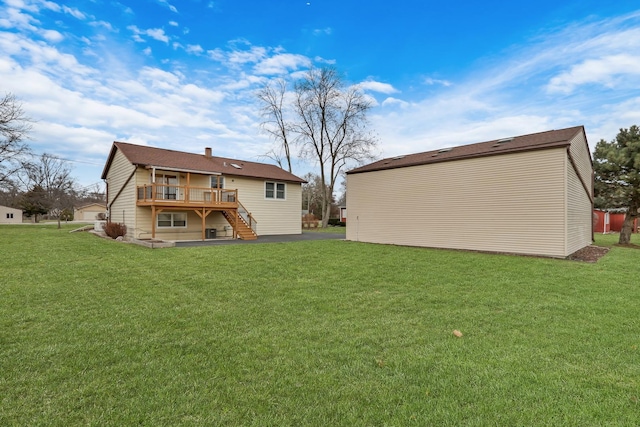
(10,215)
(503,203)
(579,213)
(580,153)
(579,195)
(273,216)
(122,204)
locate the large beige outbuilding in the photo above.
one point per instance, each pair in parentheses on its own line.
(530,194)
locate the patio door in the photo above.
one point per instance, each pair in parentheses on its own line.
(170,187)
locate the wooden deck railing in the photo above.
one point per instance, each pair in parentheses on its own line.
(166,194)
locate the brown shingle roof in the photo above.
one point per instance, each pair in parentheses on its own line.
(535,141)
(178,160)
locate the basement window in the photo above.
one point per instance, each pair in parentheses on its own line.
(172,220)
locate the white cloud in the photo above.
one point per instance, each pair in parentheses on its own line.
(154,33)
(323,31)
(391,101)
(194,49)
(281,64)
(103,24)
(173,23)
(253,55)
(378,87)
(430,81)
(171,7)
(15,18)
(52,36)
(157,34)
(74,12)
(602,71)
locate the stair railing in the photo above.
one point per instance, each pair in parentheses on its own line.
(247,218)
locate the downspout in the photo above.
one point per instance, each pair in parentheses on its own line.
(106,185)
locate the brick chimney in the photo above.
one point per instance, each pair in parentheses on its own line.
(207,152)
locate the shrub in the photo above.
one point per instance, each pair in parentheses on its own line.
(336,222)
(115,229)
(101,216)
(309,221)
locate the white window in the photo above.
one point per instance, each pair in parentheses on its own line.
(274,190)
(173,220)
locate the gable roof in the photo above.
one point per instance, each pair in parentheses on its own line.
(145,156)
(535,141)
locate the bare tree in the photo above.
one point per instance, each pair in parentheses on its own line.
(332,127)
(14,129)
(272,97)
(53,175)
(312,193)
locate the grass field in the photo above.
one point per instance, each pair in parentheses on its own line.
(328,333)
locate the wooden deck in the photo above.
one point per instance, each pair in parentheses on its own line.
(182,196)
(202,201)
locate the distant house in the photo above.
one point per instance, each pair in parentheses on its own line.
(89,212)
(530,194)
(174,195)
(10,215)
(343,214)
(611,221)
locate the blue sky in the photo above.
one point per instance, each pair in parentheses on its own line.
(183,74)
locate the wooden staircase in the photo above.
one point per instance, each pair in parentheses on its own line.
(242,228)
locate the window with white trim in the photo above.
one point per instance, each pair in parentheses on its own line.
(172,220)
(274,190)
(217,181)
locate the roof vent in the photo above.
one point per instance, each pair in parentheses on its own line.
(500,141)
(398,157)
(442,150)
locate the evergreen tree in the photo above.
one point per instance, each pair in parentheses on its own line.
(617,176)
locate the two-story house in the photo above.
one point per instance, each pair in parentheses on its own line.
(174,195)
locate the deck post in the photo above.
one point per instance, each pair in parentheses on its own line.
(153,221)
(203,223)
(235,223)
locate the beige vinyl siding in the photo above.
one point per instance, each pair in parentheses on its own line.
(579,213)
(504,203)
(122,209)
(274,216)
(193,231)
(580,154)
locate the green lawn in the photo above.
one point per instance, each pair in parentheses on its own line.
(326,333)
